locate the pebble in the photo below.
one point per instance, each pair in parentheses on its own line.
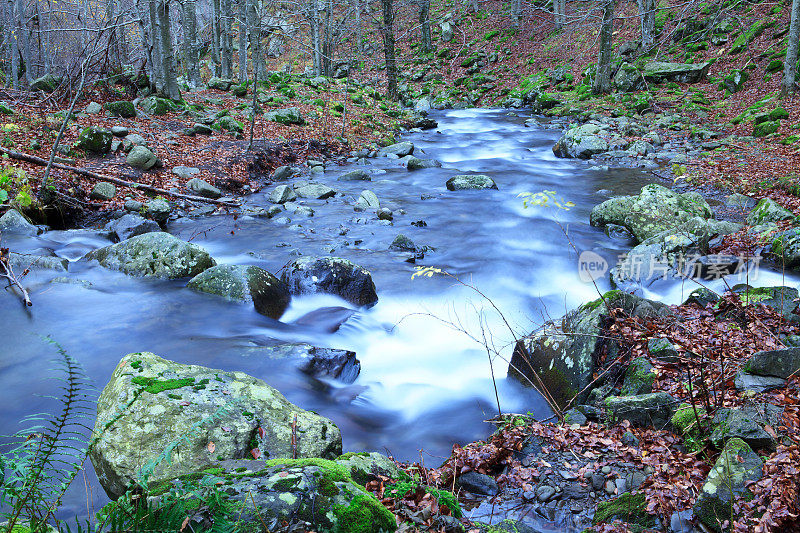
(606,469)
(545,493)
(610,487)
(622,485)
(598,481)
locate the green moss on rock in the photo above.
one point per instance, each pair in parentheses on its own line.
(629,507)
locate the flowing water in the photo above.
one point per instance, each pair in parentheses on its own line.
(423,385)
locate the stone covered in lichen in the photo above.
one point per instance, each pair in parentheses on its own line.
(654,210)
(309,494)
(737,465)
(245,283)
(639,378)
(366,466)
(156,254)
(198,415)
(645,410)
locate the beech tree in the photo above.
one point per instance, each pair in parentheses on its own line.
(790,63)
(602,78)
(390,55)
(647,16)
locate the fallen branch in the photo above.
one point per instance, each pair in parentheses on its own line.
(7,273)
(95,176)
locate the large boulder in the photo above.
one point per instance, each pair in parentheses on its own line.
(303,494)
(780,363)
(465,182)
(332,275)
(121,108)
(655,210)
(13,222)
(644,410)
(47,83)
(628,78)
(746,423)
(197,416)
(290,115)
(581,142)
(786,247)
(565,353)
(727,481)
(250,283)
(768,210)
(282,194)
(141,157)
(155,105)
(220,84)
(657,71)
(315,191)
(400,149)
(157,254)
(203,188)
(95,140)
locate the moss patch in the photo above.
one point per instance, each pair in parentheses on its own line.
(154,385)
(630,508)
(364,514)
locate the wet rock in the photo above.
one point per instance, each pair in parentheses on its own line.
(645,410)
(628,507)
(332,275)
(401,243)
(663,350)
(255,416)
(13,222)
(477,483)
(385,214)
(103,191)
(356,175)
(415,163)
(639,378)
(702,297)
(545,493)
(203,188)
(365,467)
(157,254)
(573,416)
(282,173)
(326,362)
(158,209)
(748,382)
(780,363)
(21,262)
(282,194)
(629,439)
(562,352)
(681,522)
(130,225)
(399,149)
(249,283)
(315,191)
(368,199)
(727,481)
(581,142)
(185,172)
(470,181)
(745,423)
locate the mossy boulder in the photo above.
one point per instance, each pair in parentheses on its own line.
(220,84)
(639,378)
(655,210)
(47,83)
(240,91)
(734,82)
(645,410)
(780,363)
(465,182)
(121,108)
(663,350)
(155,105)
(786,247)
(746,423)
(687,422)
(156,254)
(766,128)
(290,115)
(768,210)
(95,140)
(198,416)
(331,275)
(582,142)
(249,283)
(565,353)
(727,481)
(628,78)
(628,507)
(657,72)
(230,124)
(364,467)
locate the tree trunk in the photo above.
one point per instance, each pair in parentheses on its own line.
(153,44)
(516,8)
(13,45)
(216,36)
(257,56)
(425,25)
(316,46)
(602,79)
(387,31)
(647,16)
(227,39)
(190,52)
(790,63)
(25,42)
(170,88)
(328,39)
(242,41)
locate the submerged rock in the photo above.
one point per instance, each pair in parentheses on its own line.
(248,283)
(470,181)
(156,254)
(150,404)
(332,275)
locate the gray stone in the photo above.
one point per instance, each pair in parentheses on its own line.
(142,158)
(573,416)
(681,522)
(365,467)
(103,191)
(369,199)
(332,275)
(385,214)
(545,493)
(768,210)
(315,191)
(250,283)
(22,262)
(185,172)
(746,423)
(477,483)
(727,481)
(356,175)
(628,78)
(304,211)
(581,142)
(133,206)
(470,181)
(639,378)
(119,131)
(645,410)
(415,163)
(401,243)
(47,83)
(130,225)
(131,140)
(282,173)
(166,402)
(399,149)
(656,72)
(13,222)
(780,363)
(203,188)
(282,194)
(663,350)
(95,140)
(156,254)
(220,84)
(290,115)
(749,382)
(158,209)
(93,108)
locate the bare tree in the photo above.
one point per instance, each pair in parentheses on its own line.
(190,53)
(425,25)
(170,87)
(602,78)
(790,63)
(647,16)
(389,52)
